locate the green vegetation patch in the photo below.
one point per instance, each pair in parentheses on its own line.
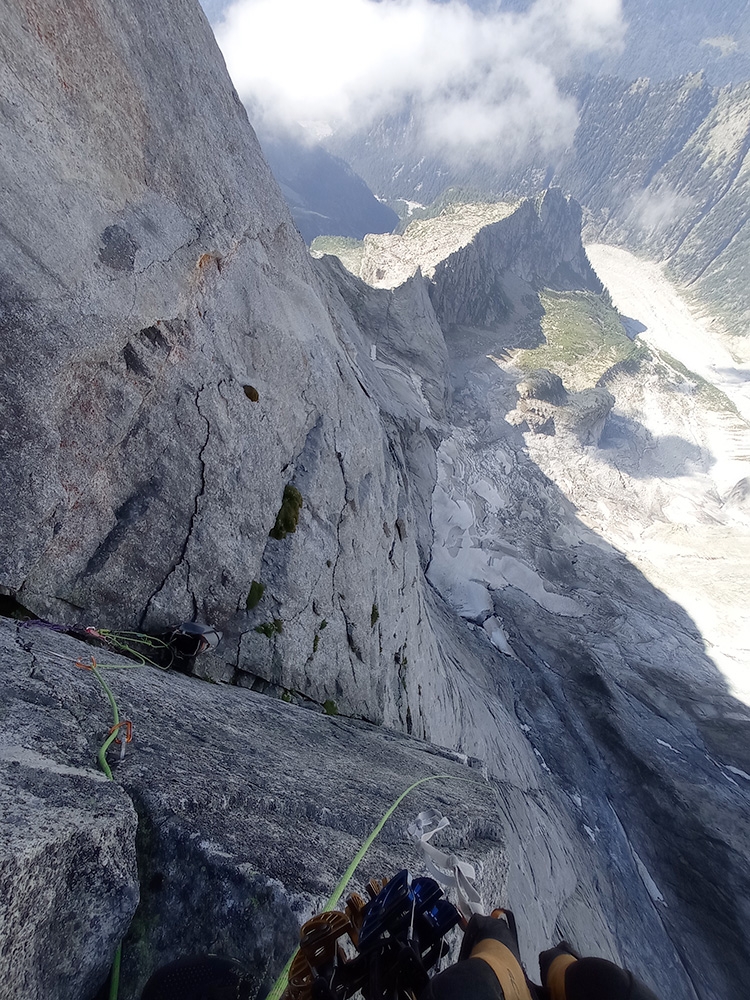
(330,707)
(257,590)
(584,339)
(270,629)
(288,517)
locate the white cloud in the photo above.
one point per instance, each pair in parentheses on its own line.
(656,209)
(471,78)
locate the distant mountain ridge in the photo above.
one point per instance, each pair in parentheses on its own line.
(675,37)
(484,263)
(681,193)
(659,167)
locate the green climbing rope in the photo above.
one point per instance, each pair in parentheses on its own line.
(114,979)
(280,985)
(102,755)
(128,643)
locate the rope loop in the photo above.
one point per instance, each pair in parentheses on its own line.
(447,869)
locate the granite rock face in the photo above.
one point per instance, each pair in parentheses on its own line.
(187,366)
(249,810)
(611,678)
(68,873)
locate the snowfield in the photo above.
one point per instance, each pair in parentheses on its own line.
(641,292)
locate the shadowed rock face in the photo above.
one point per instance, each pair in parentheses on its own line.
(544,385)
(540,245)
(248,813)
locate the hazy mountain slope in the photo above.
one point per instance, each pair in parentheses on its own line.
(622,142)
(670,39)
(682,194)
(659,167)
(396,167)
(712,175)
(323,192)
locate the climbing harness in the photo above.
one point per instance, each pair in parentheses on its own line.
(397,937)
(279,986)
(391,953)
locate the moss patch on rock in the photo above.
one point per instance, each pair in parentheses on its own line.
(257,589)
(287,518)
(270,629)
